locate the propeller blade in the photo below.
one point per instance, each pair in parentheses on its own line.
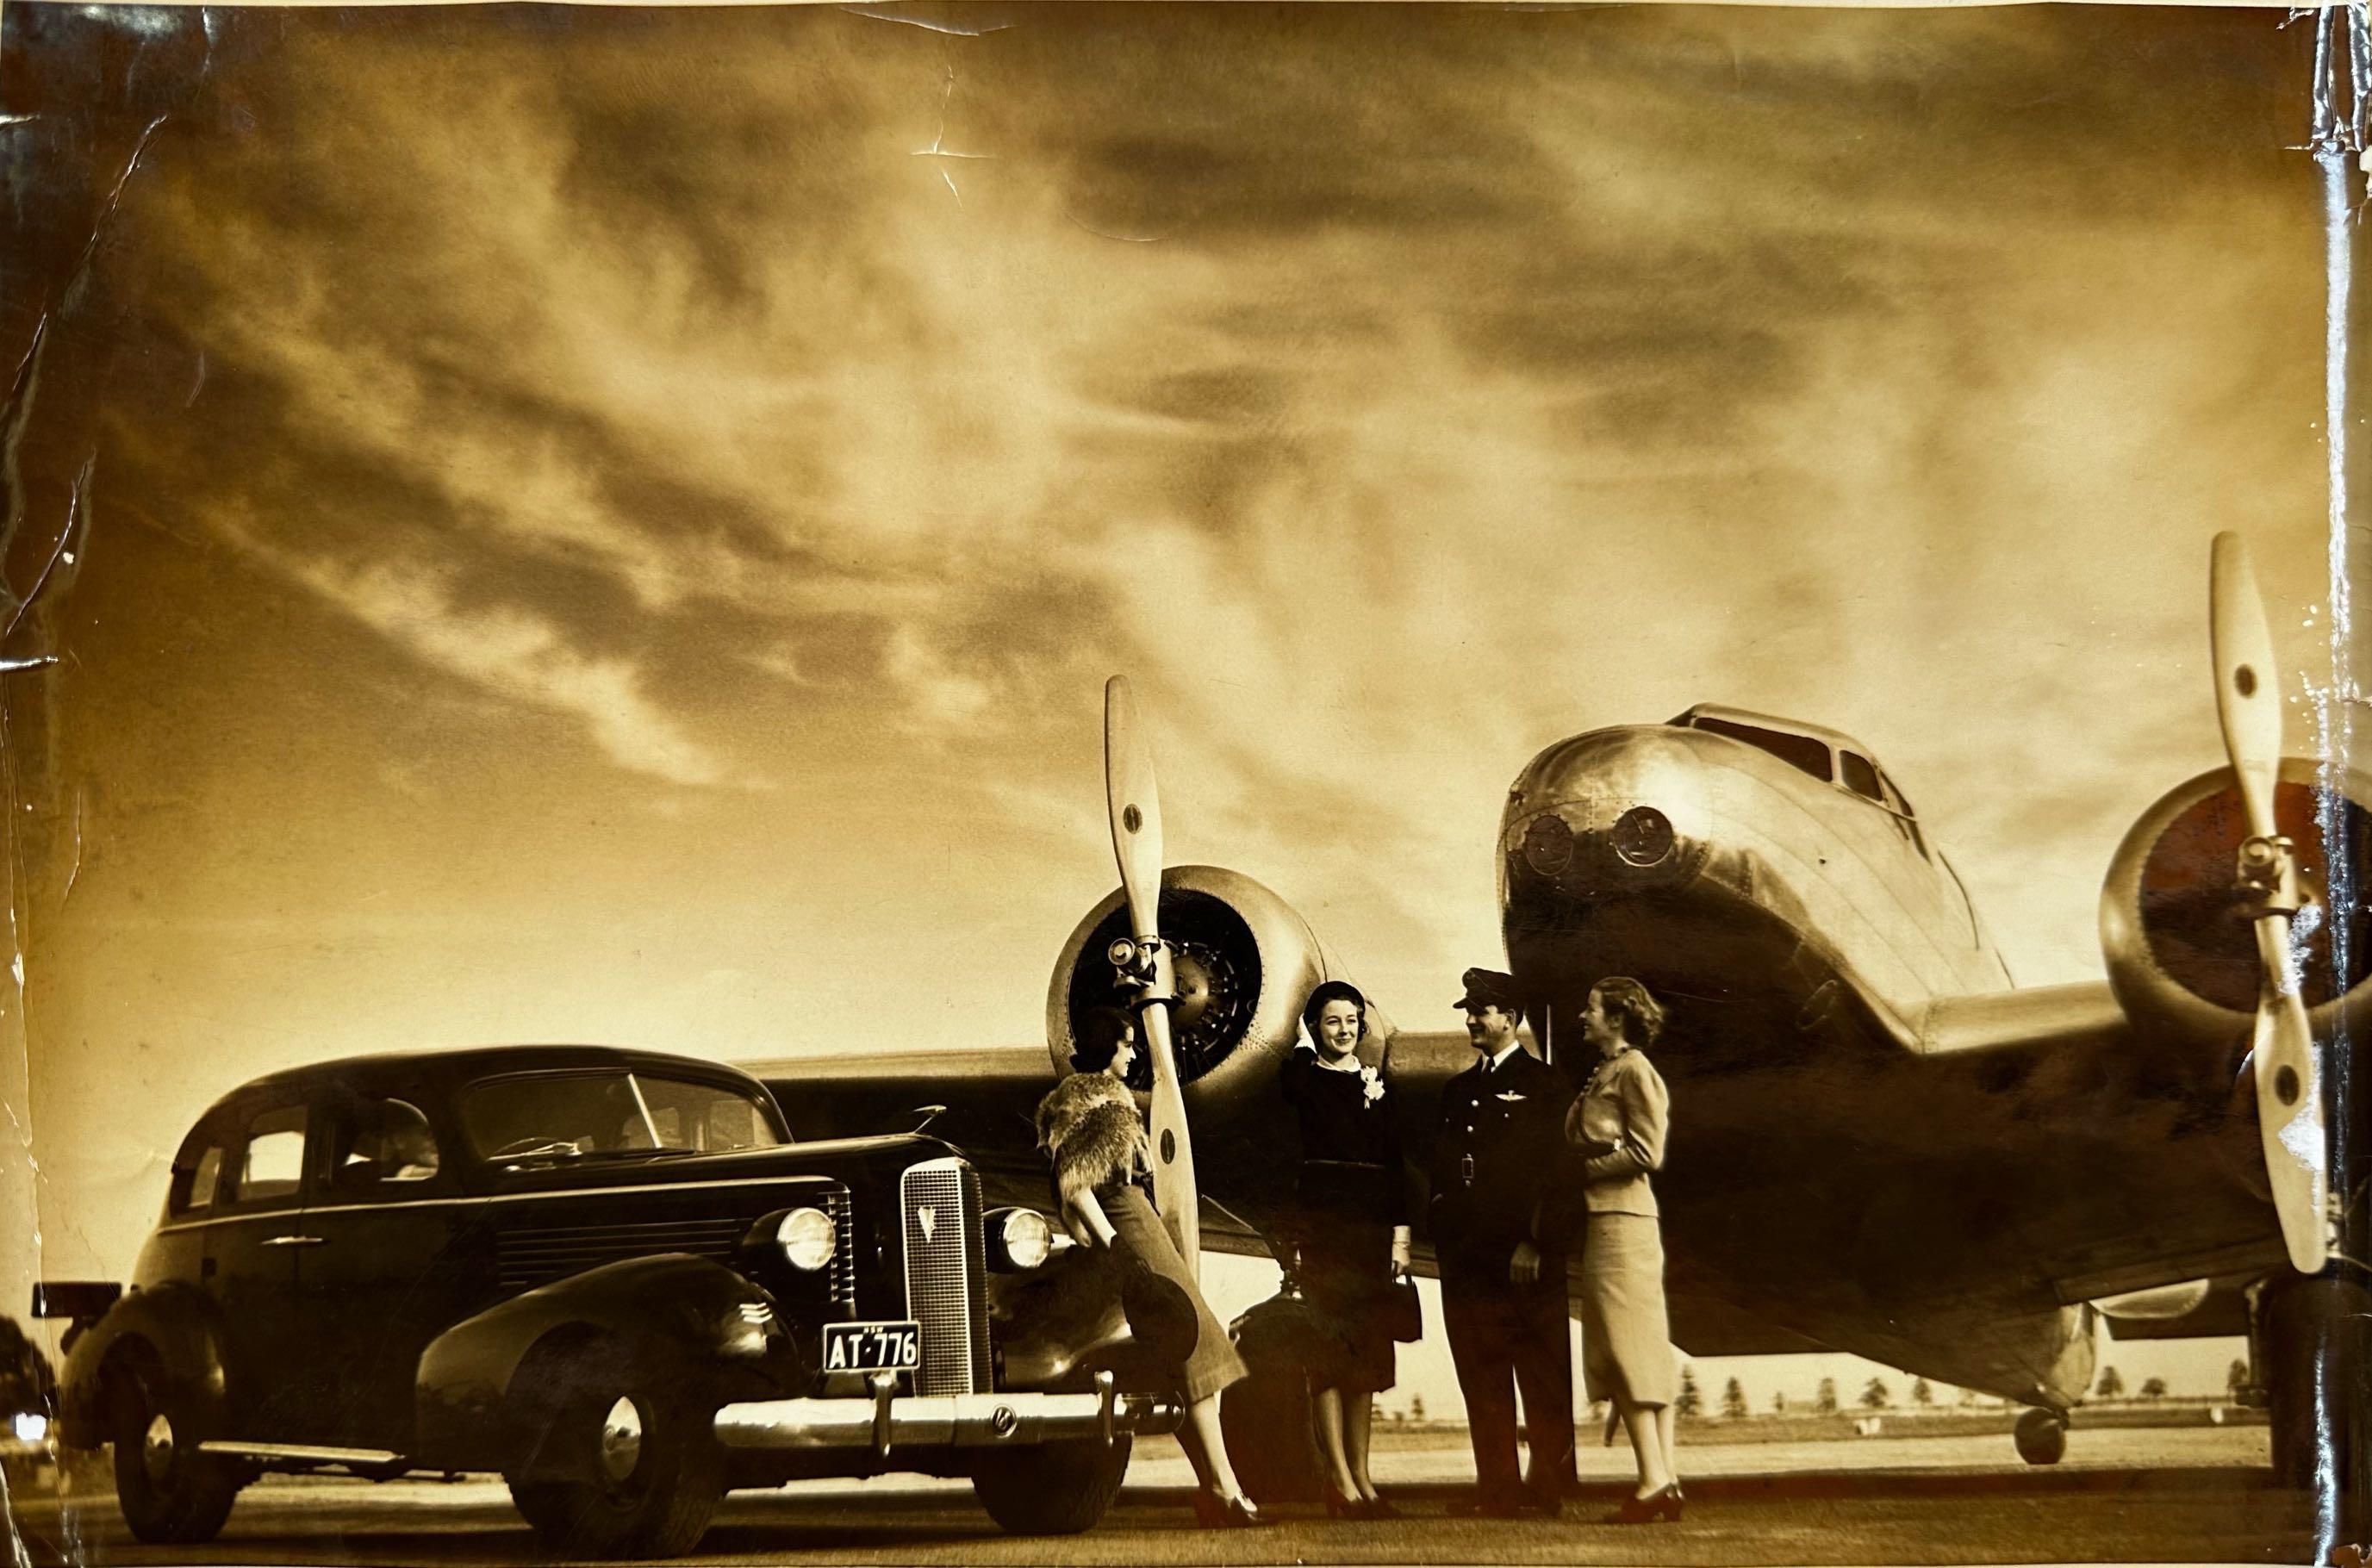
(2281,1042)
(2246,702)
(1175,1193)
(1136,806)
(2289,1105)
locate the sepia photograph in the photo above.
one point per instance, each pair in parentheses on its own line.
(977,783)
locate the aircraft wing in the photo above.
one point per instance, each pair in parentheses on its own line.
(989,1100)
(2050,1017)
(2062,1147)
(2028,1126)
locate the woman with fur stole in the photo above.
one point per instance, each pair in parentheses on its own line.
(1091,1130)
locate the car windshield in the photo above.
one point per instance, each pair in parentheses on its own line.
(546,1118)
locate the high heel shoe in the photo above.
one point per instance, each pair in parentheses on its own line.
(1663,1505)
(1375,1508)
(1226,1513)
(1341,1507)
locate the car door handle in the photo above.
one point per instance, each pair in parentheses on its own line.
(294,1241)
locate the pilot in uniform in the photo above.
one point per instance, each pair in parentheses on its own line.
(1503,1265)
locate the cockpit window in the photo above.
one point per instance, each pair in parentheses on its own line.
(1894,797)
(1797,750)
(541,1120)
(1861,776)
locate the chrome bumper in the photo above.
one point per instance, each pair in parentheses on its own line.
(887,1419)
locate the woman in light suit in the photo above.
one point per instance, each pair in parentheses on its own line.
(1617,1129)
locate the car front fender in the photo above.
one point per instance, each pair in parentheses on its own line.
(1059,1324)
(174,1331)
(720,1324)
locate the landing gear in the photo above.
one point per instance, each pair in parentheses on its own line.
(2042,1437)
(2307,1339)
(1268,1419)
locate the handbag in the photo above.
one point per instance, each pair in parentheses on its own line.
(1404,1312)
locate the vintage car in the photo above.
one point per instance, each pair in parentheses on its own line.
(611,1276)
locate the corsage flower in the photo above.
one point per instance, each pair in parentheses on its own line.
(1374,1084)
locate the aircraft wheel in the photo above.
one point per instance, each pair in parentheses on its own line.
(2312,1354)
(1272,1443)
(1269,1420)
(2042,1437)
(1058,1490)
(171,1493)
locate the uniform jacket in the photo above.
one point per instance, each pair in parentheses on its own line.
(1617,1129)
(1495,1162)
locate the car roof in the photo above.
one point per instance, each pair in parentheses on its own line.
(439,1071)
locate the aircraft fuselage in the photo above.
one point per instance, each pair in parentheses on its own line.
(1823,1176)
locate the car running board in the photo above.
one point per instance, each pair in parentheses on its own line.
(360,1460)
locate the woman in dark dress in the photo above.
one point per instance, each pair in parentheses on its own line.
(1355,1243)
(1094,1134)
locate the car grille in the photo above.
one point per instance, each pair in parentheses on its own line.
(531,1255)
(534,1255)
(947,1278)
(844,1256)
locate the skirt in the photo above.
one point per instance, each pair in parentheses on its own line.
(1345,1275)
(1626,1334)
(1139,1236)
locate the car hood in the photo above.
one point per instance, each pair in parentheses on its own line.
(859,1162)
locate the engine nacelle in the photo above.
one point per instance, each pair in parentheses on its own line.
(1246,963)
(2182,950)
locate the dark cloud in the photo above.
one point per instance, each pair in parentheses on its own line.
(704,462)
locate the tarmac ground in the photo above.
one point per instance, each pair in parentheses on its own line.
(2128,1496)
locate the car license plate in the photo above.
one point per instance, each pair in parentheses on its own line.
(872,1347)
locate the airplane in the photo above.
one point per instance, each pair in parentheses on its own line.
(1879,1145)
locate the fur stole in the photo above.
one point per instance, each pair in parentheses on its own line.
(1089,1126)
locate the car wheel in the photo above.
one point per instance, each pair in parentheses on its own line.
(1059,1489)
(624,1464)
(171,1493)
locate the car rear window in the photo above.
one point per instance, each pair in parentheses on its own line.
(194,1183)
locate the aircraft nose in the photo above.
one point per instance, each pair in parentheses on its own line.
(1640,840)
(1597,815)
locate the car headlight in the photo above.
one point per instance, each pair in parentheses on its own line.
(1018,1238)
(808,1238)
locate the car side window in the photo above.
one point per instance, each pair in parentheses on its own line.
(196,1175)
(377,1145)
(272,1162)
(207,1178)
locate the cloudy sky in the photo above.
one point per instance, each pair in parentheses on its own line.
(611,524)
